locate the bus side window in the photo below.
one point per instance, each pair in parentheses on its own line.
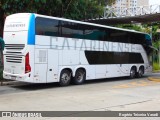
(88,33)
(93,33)
(67,29)
(78,31)
(102,34)
(48,27)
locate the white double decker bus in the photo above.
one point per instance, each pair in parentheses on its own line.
(44,49)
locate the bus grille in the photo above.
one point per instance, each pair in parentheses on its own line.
(15,47)
(14,59)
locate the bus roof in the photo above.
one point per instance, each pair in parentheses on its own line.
(75,21)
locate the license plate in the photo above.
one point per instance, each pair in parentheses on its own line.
(13,78)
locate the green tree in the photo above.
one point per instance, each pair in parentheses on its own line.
(132,27)
(8,7)
(72,9)
(1,17)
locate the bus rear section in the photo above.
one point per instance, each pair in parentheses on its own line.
(16,52)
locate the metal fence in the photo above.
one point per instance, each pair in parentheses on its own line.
(116,12)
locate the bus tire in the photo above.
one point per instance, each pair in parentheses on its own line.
(65,77)
(140,72)
(133,72)
(79,77)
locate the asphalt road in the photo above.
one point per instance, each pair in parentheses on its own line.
(118,94)
(16,87)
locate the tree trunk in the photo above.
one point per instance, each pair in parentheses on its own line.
(1,22)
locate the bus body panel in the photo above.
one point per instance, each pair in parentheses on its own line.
(40,73)
(101,71)
(52,70)
(13,24)
(18,37)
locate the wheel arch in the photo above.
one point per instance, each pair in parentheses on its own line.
(65,68)
(142,66)
(77,68)
(135,67)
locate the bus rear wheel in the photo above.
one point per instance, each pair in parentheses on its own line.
(65,77)
(80,77)
(133,72)
(140,72)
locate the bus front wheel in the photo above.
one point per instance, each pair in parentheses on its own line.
(80,77)
(65,77)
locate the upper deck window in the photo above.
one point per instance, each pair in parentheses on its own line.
(48,27)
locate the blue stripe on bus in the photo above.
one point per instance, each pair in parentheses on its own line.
(31,30)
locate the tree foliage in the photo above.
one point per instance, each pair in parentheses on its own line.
(130,26)
(75,9)
(72,9)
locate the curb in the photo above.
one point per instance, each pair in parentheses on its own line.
(155,79)
(156,71)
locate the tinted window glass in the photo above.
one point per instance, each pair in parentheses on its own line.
(72,30)
(78,31)
(94,33)
(118,36)
(101,57)
(136,38)
(51,27)
(67,29)
(48,27)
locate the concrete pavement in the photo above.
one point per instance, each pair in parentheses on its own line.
(118,94)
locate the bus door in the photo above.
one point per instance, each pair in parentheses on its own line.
(52,72)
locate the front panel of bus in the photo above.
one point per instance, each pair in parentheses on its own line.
(17,55)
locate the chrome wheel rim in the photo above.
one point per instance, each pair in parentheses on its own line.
(65,78)
(133,73)
(79,76)
(140,73)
